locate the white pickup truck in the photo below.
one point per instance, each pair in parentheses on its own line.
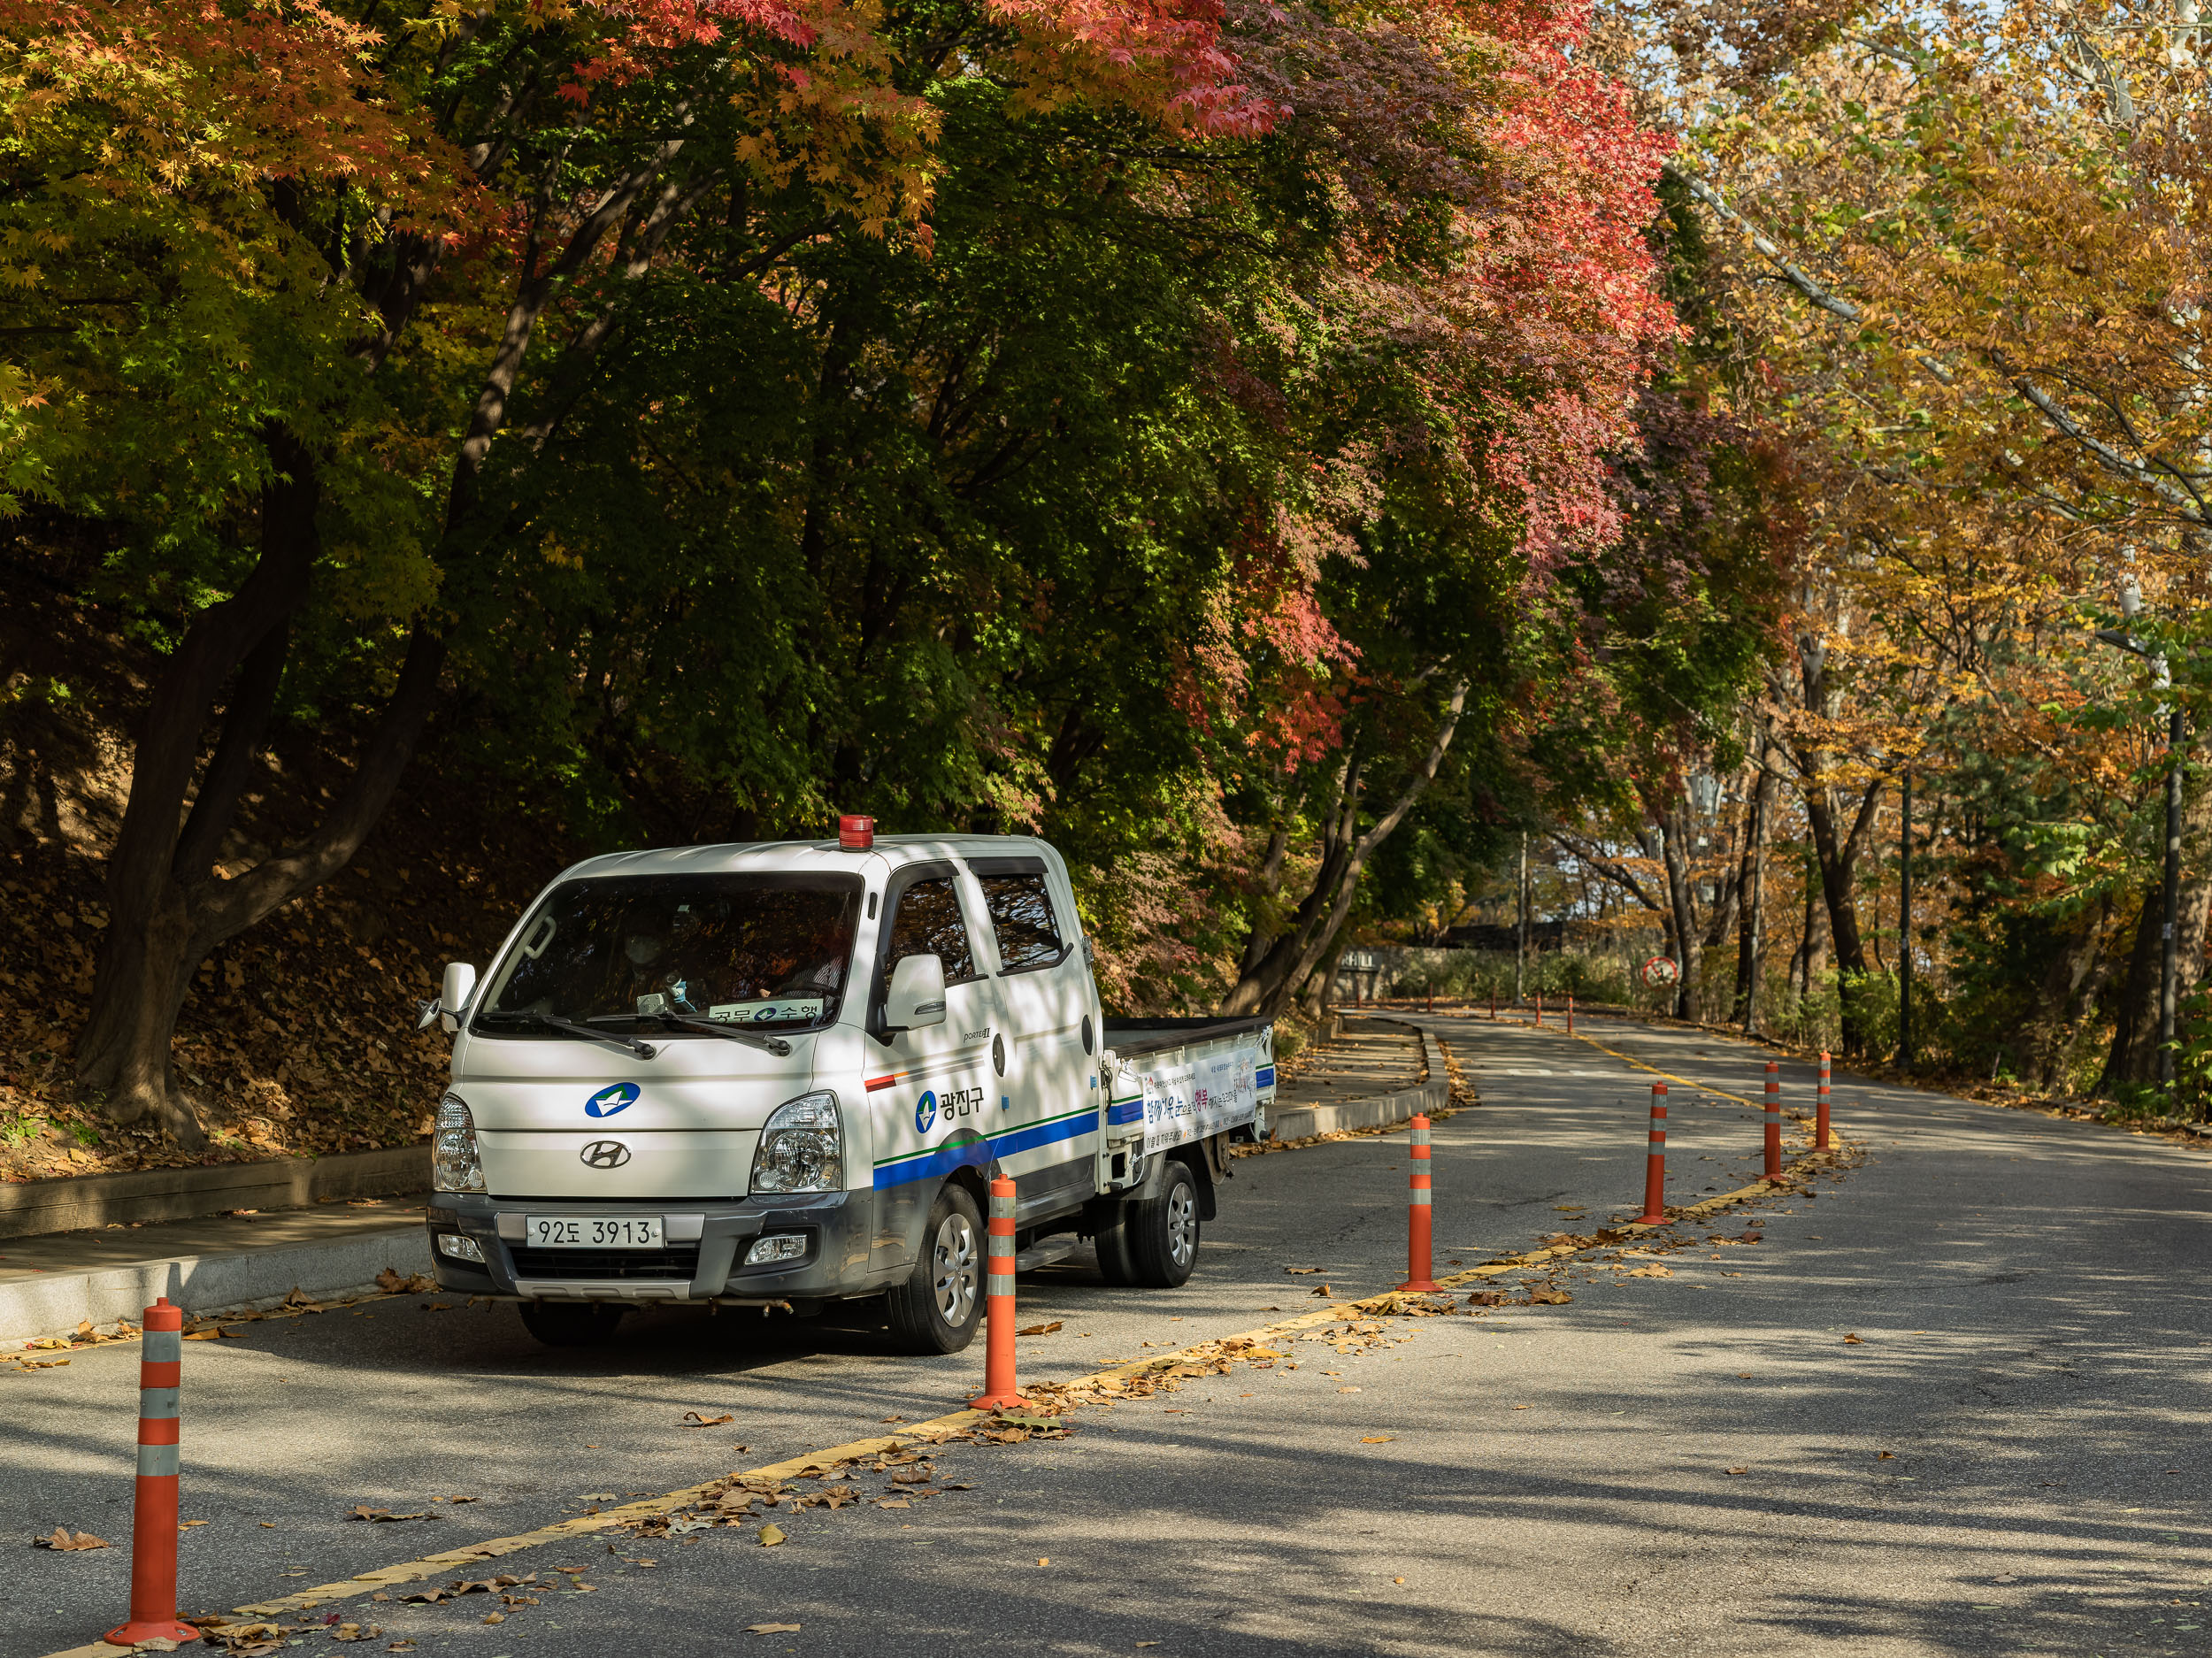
(785,1074)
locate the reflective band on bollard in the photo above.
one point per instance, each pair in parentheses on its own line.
(1774,1120)
(1820,1112)
(998,1338)
(1655,1160)
(1418,1254)
(154,1516)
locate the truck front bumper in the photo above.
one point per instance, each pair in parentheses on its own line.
(703,1259)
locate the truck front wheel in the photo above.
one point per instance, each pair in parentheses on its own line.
(570,1323)
(937,1309)
(1160,1235)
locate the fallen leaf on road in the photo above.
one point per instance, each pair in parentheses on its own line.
(1040,1330)
(1295,1272)
(392,1284)
(770,1535)
(426,1597)
(383,1514)
(1853,1342)
(355,1631)
(693,1419)
(772,1629)
(186,1525)
(1524,1406)
(62,1539)
(894,1502)
(463,1499)
(401,1645)
(1044,1560)
(1323,1289)
(494,1618)
(1348,1390)
(1886,1456)
(1736,1471)
(1486,1298)
(1377,1438)
(1560,1298)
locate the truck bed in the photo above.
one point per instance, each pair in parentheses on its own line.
(1130,1036)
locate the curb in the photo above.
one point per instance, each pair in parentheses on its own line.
(81,1202)
(55,1303)
(1377,1111)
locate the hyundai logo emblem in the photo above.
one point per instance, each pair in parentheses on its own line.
(605,1154)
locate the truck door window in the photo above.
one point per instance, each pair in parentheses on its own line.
(928,924)
(1022,921)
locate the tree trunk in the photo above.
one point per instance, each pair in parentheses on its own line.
(2133,1057)
(1682,912)
(2063,995)
(1838,859)
(1290,958)
(1751,880)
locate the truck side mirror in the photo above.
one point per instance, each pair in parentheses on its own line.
(453,996)
(917,996)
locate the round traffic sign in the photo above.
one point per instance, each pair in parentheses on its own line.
(1661,969)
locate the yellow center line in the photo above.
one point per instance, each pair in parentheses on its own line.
(1627,1059)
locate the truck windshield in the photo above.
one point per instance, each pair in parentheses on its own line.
(769,950)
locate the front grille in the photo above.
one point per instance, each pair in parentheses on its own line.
(680,1262)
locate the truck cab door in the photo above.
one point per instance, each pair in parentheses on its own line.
(930,1090)
(1044,990)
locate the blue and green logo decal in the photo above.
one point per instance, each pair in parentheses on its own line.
(925,1111)
(607,1101)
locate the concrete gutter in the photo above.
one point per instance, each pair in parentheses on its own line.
(1382,1110)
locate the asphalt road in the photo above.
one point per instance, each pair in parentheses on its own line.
(1689,1464)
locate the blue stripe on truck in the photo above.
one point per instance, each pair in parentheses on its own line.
(1125,1111)
(941,1161)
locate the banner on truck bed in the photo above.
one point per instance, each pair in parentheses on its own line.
(1210,1094)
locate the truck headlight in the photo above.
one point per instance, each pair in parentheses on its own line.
(802,1148)
(454,1164)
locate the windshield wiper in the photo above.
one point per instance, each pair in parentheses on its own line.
(775,1044)
(628,1044)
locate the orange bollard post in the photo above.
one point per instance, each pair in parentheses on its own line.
(1774,1120)
(1656,1161)
(1570,1013)
(998,1352)
(1432,1000)
(1820,1110)
(1540,1010)
(1419,1258)
(154,1516)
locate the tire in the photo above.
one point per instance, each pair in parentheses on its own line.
(938,1308)
(1115,1264)
(1161,1232)
(570,1323)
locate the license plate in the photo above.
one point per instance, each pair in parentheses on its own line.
(595,1232)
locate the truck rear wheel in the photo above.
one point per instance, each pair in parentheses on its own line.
(937,1309)
(570,1323)
(1161,1233)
